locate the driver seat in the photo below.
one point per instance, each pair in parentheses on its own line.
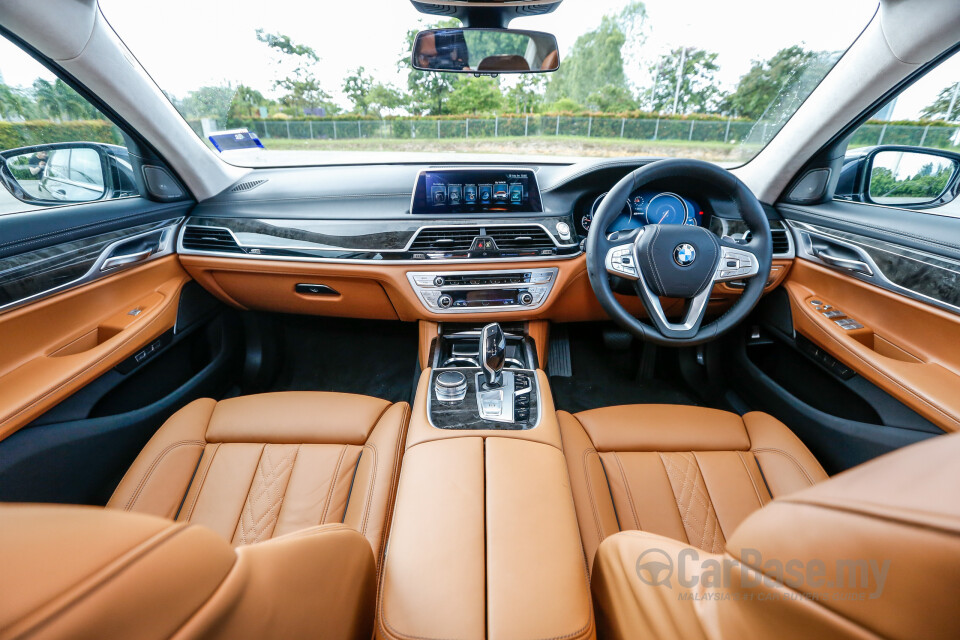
(688,473)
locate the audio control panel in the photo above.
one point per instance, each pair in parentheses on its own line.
(482,291)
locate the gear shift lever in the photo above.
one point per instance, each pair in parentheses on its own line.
(493,347)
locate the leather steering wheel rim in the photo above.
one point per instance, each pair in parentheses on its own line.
(722,184)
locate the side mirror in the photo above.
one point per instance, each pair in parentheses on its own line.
(485,51)
(905,177)
(66,173)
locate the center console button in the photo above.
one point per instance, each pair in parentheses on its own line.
(526,298)
(450,386)
(445,301)
(438,281)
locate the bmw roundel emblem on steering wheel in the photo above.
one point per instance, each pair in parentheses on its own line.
(684,254)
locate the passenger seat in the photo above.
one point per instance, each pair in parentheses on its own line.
(257,467)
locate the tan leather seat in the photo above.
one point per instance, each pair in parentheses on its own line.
(688,473)
(873,552)
(87,572)
(256,467)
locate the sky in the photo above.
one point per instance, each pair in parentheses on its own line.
(216,42)
(191,43)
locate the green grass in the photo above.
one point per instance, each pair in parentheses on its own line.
(543,145)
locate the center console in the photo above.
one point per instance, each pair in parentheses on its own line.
(484,379)
(484,541)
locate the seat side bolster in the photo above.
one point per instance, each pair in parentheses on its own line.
(314,583)
(160,476)
(596,514)
(649,586)
(83,572)
(374,484)
(787,465)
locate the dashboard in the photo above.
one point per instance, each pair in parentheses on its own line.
(644,207)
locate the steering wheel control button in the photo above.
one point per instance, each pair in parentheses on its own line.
(450,386)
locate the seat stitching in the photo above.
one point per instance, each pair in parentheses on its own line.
(153,466)
(333,482)
(717,529)
(253,477)
(373,481)
(269,485)
(392,493)
(202,480)
(789,457)
(753,482)
(593,502)
(623,474)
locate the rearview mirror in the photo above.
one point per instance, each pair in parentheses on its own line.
(67,173)
(485,51)
(903,178)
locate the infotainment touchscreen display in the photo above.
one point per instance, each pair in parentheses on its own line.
(478,190)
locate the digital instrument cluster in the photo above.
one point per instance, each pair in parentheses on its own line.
(648,207)
(478,190)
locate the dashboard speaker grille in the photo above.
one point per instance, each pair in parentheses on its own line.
(246,186)
(209,239)
(781,244)
(520,238)
(445,239)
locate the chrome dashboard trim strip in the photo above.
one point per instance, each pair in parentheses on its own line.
(940,275)
(168,233)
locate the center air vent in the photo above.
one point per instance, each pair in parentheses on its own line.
(520,238)
(209,239)
(445,239)
(781,243)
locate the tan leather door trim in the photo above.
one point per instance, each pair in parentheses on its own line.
(909,349)
(59,344)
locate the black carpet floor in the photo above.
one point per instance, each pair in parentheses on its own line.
(605,377)
(350,356)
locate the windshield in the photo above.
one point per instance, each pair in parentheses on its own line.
(331,83)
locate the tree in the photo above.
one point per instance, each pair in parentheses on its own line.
(611,99)
(246,103)
(12,103)
(383,97)
(58,101)
(596,58)
(475,95)
(698,91)
(357,88)
(302,87)
(427,90)
(525,92)
(212,101)
(946,106)
(766,79)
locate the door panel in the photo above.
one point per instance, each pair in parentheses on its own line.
(57,345)
(905,347)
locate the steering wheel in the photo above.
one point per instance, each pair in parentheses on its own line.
(679,261)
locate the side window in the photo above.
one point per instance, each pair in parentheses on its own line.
(908,154)
(55,147)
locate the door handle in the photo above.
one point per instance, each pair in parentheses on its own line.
(120,261)
(847,264)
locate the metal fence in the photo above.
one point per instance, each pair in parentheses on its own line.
(651,129)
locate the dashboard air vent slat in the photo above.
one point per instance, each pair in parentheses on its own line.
(445,239)
(781,244)
(209,239)
(520,238)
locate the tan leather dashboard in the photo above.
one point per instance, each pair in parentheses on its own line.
(382,291)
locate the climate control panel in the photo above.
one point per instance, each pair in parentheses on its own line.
(482,291)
